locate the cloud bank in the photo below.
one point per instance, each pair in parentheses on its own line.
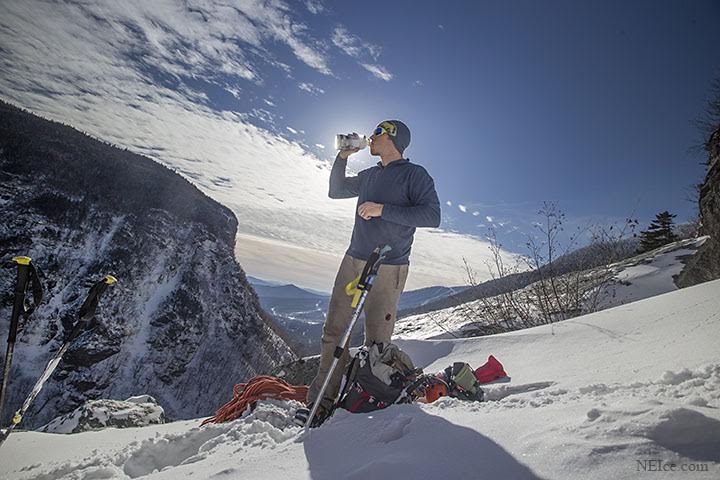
(125,72)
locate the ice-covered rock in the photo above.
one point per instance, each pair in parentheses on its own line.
(96,414)
(706,264)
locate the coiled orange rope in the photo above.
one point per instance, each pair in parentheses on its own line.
(258,388)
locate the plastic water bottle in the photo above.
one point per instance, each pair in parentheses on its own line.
(350,141)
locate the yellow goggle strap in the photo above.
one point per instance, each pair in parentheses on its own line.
(388,128)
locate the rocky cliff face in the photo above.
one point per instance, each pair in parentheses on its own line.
(182,325)
(705,265)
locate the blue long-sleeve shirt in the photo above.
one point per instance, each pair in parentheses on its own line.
(409,199)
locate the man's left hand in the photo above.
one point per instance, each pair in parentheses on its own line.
(369,210)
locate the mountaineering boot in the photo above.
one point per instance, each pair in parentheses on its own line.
(302,414)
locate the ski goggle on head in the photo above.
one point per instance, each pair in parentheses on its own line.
(385,127)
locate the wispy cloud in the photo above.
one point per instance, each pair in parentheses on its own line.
(310,88)
(365,53)
(287,32)
(264,116)
(378,70)
(315,6)
(462,208)
(168,41)
(353,45)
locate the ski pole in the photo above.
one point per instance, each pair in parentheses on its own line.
(359,289)
(26,273)
(85,315)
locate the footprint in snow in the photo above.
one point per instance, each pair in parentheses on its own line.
(395,430)
(507,390)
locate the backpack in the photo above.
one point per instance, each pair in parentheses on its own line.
(376,377)
(461,382)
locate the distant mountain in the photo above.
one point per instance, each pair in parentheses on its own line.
(182,325)
(300,313)
(286,291)
(263,283)
(423,296)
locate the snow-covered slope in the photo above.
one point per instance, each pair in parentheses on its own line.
(652,273)
(635,278)
(613,394)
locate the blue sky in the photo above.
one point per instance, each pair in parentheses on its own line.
(590,104)
(586,103)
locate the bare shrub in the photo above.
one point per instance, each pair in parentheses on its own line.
(568,281)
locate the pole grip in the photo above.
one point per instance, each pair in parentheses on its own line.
(23,275)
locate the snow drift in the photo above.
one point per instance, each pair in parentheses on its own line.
(626,392)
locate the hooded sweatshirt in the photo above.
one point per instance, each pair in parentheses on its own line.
(409,199)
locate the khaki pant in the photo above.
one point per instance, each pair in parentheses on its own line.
(380,312)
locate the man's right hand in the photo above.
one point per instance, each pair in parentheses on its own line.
(344,154)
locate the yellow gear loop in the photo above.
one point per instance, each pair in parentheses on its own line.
(351,289)
(109,279)
(16,418)
(22,260)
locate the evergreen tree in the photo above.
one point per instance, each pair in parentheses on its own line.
(659,233)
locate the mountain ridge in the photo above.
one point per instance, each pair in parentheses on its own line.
(183,323)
